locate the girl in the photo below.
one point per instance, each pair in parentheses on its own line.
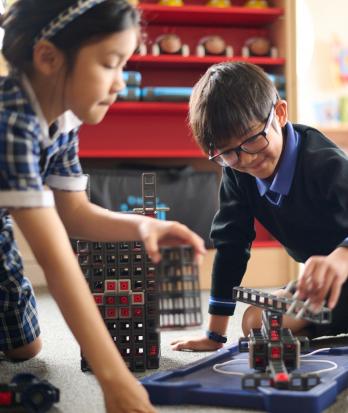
(66,59)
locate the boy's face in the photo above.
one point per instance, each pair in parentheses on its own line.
(262,164)
(96,78)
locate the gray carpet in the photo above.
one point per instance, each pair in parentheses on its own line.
(59,362)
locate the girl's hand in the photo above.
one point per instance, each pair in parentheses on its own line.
(323,276)
(154,233)
(130,397)
(196,344)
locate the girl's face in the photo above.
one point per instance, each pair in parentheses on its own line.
(96,78)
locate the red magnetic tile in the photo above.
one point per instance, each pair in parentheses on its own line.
(98,298)
(124,299)
(137,312)
(138,298)
(110,312)
(153,350)
(110,300)
(6,398)
(124,285)
(110,285)
(124,312)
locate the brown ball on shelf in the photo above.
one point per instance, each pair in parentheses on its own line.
(169,43)
(258,46)
(214,45)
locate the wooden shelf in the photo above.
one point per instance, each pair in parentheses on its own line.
(195,61)
(205,15)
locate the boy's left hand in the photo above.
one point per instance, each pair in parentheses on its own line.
(323,277)
(154,233)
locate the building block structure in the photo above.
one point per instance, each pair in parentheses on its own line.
(180,297)
(123,282)
(132,293)
(273,350)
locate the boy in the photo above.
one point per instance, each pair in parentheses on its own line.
(289,177)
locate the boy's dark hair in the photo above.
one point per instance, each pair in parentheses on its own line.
(227,100)
(26,18)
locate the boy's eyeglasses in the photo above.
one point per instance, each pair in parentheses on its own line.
(252,145)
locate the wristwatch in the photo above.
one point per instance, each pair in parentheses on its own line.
(216,337)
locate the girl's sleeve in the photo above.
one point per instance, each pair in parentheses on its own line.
(65,172)
(21,184)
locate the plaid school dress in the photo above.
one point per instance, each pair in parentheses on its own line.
(34,158)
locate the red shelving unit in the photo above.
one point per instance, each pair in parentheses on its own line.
(159,130)
(147,108)
(188,62)
(204,15)
(140,137)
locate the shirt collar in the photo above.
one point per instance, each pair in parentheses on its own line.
(65,123)
(282,181)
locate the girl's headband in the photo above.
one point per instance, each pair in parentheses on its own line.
(64,18)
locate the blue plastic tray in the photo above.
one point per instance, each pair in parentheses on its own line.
(199,384)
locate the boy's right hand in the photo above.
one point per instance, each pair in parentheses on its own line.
(130,397)
(196,344)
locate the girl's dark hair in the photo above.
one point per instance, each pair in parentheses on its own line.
(227,100)
(26,18)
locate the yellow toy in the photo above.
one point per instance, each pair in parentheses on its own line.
(219,3)
(134,3)
(172,3)
(257,4)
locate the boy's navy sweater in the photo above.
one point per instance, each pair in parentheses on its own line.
(311,220)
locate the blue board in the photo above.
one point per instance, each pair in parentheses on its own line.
(199,384)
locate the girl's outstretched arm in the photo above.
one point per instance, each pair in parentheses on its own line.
(49,242)
(85,220)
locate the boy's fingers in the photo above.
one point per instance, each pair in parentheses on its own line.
(180,346)
(334,294)
(175,342)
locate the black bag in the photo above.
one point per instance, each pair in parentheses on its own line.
(191,196)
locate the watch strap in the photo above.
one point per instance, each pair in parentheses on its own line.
(212,335)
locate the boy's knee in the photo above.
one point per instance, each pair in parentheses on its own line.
(251,319)
(25,352)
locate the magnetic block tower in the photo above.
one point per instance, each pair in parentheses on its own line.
(122,279)
(127,287)
(274,352)
(178,277)
(180,297)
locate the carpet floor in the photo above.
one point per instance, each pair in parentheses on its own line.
(59,363)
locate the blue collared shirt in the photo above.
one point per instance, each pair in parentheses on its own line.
(280,186)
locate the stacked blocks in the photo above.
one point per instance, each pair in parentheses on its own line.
(123,282)
(132,292)
(180,298)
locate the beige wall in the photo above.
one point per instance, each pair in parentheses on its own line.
(267,267)
(318,22)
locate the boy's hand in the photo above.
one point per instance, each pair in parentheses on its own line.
(127,398)
(323,275)
(154,232)
(196,344)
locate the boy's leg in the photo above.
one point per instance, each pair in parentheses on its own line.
(252,318)
(25,352)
